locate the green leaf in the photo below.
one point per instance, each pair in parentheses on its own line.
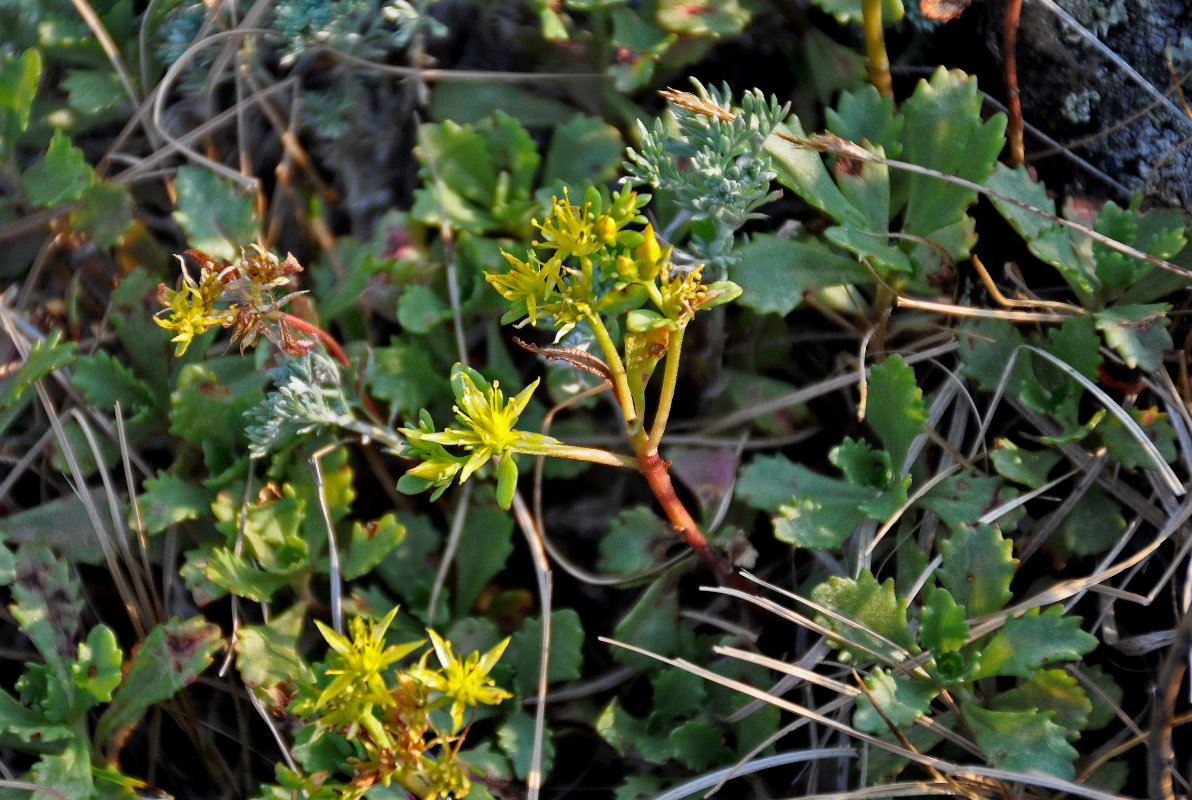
(482,178)
(267,655)
(698,745)
(871,605)
(713,18)
(850,10)
(409,569)
(865,115)
(19,78)
(1122,446)
(169,500)
(516,739)
(1075,343)
(1049,690)
(960,499)
(895,410)
(862,465)
(944,131)
(104,213)
(566,651)
(774,272)
(986,347)
(1093,526)
(420,309)
(91,91)
(1159,233)
(652,624)
(1137,332)
(207,408)
(1028,642)
(216,218)
(635,540)
(900,699)
(29,724)
(802,170)
(825,517)
(1021,740)
(45,356)
(194,574)
(370,543)
(69,772)
(169,659)
(1046,239)
(624,732)
(677,693)
(105,381)
(404,374)
(272,529)
(470,102)
(583,151)
(236,574)
(1027,467)
(942,627)
(485,545)
(46,605)
(97,671)
(61,177)
(976,569)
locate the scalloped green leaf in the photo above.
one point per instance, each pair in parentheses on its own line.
(895,410)
(944,131)
(369,543)
(168,500)
(98,669)
(45,356)
(168,660)
(104,213)
(864,114)
(566,651)
(60,177)
(677,693)
(267,655)
(871,605)
(236,574)
(19,78)
(1021,740)
(900,699)
(697,744)
(485,545)
(774,273)
(976,569)
(583,151)
(1137,332)
(46,605)
(1029,642)
(942,627)
(217,219)
(516,736)
(635,540)
(1051,690)
(1027,467)
(862,465)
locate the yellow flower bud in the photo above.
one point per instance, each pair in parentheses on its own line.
(648,255)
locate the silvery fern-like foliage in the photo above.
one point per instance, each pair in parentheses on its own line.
(366,28)
(717,168)
(308,396)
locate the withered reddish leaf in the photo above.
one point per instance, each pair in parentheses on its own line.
(943,10)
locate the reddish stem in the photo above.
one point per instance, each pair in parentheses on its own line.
(335,349)
(1013,104)
(655,470)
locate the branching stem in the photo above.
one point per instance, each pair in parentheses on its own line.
(616,366)
(670,377)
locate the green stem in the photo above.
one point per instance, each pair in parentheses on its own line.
(575,453)
(875,47)
(670,377)
(616,366)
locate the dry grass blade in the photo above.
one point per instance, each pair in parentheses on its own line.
(458,518)
(337,583)
(718,777)
(529,528)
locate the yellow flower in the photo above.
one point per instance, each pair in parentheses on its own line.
(464,681)
(359,664)
(192,308)
(571,233)
(487,422)
(530,282)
